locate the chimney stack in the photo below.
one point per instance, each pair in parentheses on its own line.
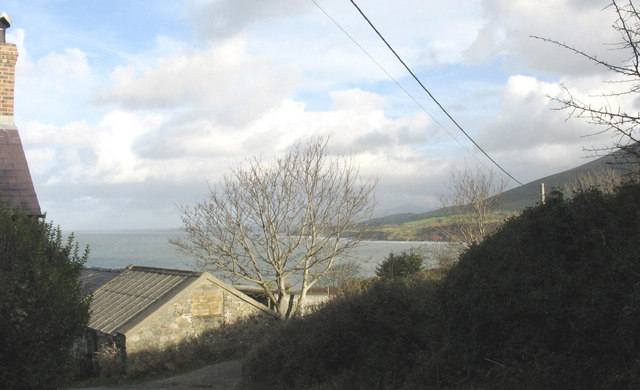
(16,186)
(8,58)
(5,23)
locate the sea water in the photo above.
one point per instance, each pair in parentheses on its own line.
(118,249)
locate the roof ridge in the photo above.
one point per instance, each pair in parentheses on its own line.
(169,271)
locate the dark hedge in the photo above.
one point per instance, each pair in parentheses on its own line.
(551,300)
(42,308)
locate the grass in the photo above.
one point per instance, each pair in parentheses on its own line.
(427,229)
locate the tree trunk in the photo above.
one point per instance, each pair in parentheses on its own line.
(282,306)
(302,303)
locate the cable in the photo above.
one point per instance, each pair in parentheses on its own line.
(400,86)
(435,100)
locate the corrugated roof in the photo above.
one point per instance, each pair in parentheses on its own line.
(133,291)
(95,277)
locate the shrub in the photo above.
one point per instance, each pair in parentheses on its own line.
(549,301)
(552,299)
(110,360)
(42,310)
(366,338)
(401,265)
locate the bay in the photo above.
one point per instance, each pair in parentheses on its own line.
(119,249)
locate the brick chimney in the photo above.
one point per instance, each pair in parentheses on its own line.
(8,58)
(16,186)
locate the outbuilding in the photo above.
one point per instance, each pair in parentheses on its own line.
(147,308)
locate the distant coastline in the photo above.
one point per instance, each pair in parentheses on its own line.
(150,247)
(121,231)
(373,235)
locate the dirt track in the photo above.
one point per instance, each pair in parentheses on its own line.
(221,376)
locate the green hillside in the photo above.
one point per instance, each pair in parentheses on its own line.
(432,228)
(431,225)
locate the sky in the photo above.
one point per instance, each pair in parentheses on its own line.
(129,109)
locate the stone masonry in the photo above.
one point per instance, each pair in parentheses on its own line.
(202,308)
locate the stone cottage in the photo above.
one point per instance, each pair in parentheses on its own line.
(146,308)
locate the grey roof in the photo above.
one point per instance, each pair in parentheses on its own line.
(16,186)
(95,277)
(136,289)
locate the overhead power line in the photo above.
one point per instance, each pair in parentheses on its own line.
(434,99)
(435,120)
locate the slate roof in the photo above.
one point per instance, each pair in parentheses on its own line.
(16,186)
(133,291)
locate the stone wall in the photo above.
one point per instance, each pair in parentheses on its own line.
(236,308)
(203,307)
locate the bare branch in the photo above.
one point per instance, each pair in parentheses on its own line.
(472,198)
(624,126)
(268,224)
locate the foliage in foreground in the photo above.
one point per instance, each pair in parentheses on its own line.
(551,300)
(361,340)
(42,309)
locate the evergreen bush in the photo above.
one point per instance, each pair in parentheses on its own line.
(552,300)
(365,339)
(42,310)
(549,301)
(401,265)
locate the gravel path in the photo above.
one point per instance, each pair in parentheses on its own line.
(221,376)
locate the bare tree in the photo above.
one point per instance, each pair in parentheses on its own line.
(444,254)
(341,274)
(280,223)
(472,198)
(605,179)
(624,126)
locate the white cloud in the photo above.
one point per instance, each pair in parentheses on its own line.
(52,88)
(118,150)
(356,98)
(509,25)
(526,118)
(81,153)
(223,18)
(73,63)
(223,82)
(40,159)
(531,138)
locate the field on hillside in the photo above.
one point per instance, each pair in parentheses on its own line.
(427,229)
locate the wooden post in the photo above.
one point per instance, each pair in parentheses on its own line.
(542,193)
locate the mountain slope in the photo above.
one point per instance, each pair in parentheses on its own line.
(518,198)
(428,225)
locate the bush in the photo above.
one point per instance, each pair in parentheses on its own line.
(42,310)
(549,301)
(552,300)
(110,360)
(365,339)
(400,266)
